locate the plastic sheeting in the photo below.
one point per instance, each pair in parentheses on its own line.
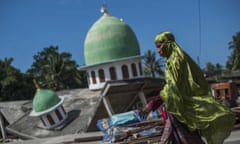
(121,123)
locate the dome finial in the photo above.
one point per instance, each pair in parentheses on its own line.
(104,9)
(36,84)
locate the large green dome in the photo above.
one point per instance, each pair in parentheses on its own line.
(109,38)
(44,100)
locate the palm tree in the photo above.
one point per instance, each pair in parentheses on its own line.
(233,61)
(55,70)
(152,65)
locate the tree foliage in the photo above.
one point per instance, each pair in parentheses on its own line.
(212,69)
(54,70)
(152,65)
(13,84)
(233,62)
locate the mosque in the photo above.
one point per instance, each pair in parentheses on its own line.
(116,85)
(111,52)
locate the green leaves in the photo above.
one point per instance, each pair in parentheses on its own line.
(233,62)
(152,65)
(54,70)
(51,69)
(14,84)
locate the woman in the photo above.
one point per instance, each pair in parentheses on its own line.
(187,96)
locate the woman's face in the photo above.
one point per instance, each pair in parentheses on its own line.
(161,48)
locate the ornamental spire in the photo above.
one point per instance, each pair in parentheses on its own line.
(36,85)
(104,9)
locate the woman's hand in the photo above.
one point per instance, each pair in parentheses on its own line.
(144,112)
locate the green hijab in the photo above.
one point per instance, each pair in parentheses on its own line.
(187,95)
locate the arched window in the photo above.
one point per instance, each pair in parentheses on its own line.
(58,114)
(140,68)
(50,119)
(63,110)
(134,70)
(125,72)
(93,77)
(101,75)
(43,121)
(113,75)
(88,77)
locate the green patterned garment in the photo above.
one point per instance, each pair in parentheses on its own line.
(187,95)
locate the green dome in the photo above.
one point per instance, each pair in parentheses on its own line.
(109,38)
(45,99)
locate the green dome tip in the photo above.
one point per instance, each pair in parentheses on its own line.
(109,38)
(44,100)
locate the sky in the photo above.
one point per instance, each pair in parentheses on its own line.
(203,28)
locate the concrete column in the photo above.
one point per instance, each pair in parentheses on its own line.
(108,106)
(142,97)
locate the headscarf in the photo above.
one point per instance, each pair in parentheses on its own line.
(187,95)
(168,39)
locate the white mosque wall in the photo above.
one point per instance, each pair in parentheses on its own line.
(54,118)
(98,75)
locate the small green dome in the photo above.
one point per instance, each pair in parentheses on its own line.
(109,38)
(45,99)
